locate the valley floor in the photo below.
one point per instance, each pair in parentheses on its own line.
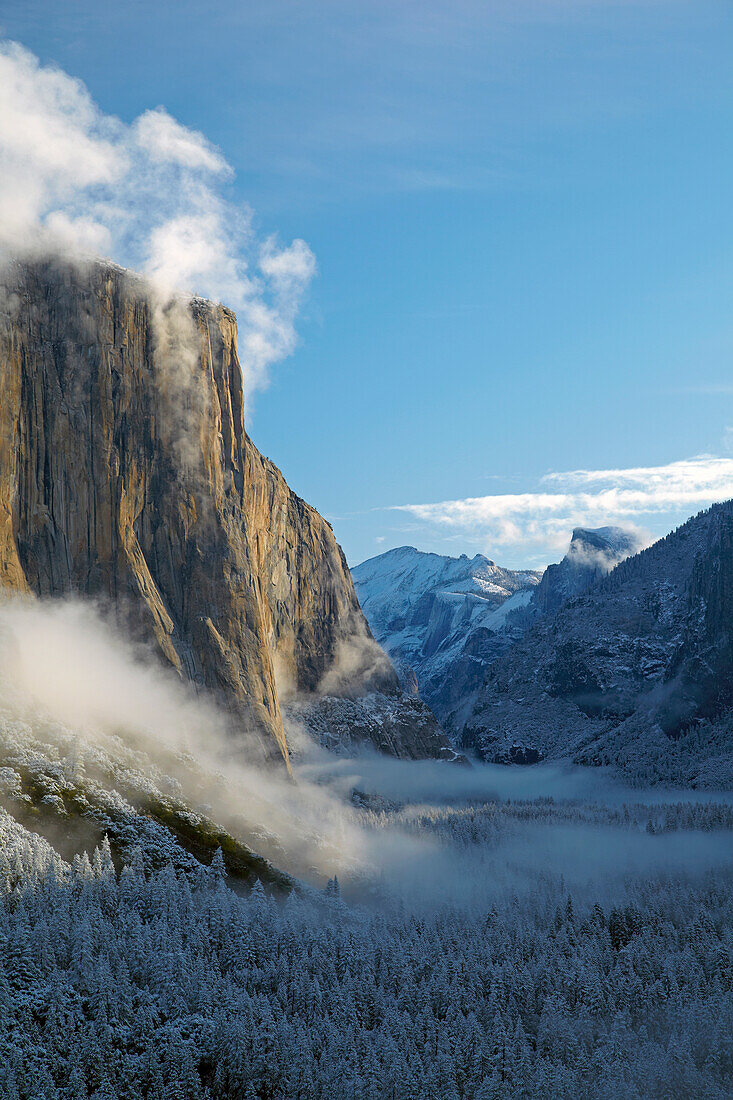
(523,949)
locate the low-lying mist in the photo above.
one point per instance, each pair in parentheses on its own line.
(69,677)
(435,782)
(424,832)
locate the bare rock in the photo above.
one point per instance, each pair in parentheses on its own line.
(126,475)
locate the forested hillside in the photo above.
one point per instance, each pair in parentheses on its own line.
(636,672)
(169,985)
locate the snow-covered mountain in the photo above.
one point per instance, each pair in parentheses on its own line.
(445,620)
(636,672)
(441,619)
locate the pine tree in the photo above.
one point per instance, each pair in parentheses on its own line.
(218,866)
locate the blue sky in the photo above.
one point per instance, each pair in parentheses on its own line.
(522,223)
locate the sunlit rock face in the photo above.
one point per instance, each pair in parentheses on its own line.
(126,475)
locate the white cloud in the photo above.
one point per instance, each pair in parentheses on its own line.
(73,179)
(164,139)
(53,143)
(543,520)
(678,483)
(287,267)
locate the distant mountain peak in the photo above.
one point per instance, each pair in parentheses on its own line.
(638,672)
(593,552)
(433,612)
(613,543)
(444,620)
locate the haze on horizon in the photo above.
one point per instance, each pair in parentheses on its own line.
(479,252)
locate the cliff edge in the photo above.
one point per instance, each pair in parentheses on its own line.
(126,475)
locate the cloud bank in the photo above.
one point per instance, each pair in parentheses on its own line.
(544,518)
(151,194)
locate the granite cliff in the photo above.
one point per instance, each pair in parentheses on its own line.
(591,555)
(126,476)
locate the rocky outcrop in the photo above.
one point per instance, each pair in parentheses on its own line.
(126,475)
(396,725)
(637,671)
(591,555)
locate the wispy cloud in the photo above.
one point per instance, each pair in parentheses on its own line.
(543,518)
(150,194)
(655,488)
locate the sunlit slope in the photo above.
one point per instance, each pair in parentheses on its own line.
(126,475)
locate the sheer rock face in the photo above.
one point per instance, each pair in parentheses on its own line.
(126,475)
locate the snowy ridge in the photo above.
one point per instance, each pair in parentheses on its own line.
(445,620)
(636,672)
(55,781)
(591,555)
(391,586)
(434,614)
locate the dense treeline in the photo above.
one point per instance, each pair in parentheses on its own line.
(169,985)
(695,528)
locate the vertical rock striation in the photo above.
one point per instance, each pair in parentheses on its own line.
(126,475)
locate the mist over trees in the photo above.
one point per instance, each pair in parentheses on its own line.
(119,983)
(239,857)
